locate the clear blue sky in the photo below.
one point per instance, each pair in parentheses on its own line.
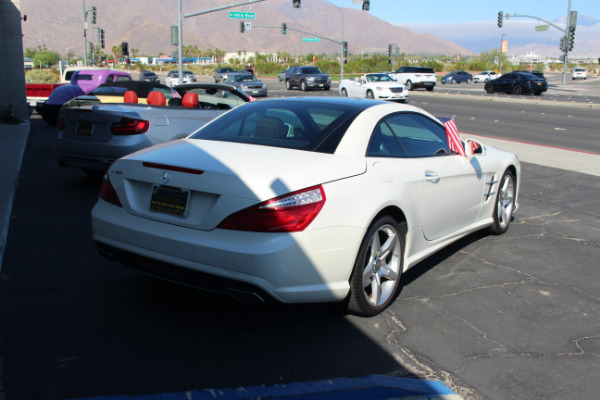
(443,11)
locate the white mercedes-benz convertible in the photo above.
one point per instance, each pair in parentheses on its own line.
(303,200)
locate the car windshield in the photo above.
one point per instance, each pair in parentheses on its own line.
(221,99)
(311,70)
(109,90)
(305,126)
(245,78)
(379,78)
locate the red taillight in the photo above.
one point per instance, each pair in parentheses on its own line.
(108,192)
(292,212)
(130,126)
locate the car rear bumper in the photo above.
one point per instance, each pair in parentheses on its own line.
(426,84)
(273,262)
(95,155)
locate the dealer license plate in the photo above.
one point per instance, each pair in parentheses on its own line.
(84,128)
(169,200)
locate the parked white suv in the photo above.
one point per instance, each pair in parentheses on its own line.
(416,77)
(579,73)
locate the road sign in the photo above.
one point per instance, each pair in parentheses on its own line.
(248,26)
(539,28)
(241,15)
(311,39)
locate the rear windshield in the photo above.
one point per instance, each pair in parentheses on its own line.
(422,70)
(303,126)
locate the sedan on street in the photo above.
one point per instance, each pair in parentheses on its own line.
(148,76)
(247,83)
(485,76)
(303,200)
(374,86)
(457,77)
(173,77)
(517,83)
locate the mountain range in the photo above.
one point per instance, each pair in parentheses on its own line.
(146,26)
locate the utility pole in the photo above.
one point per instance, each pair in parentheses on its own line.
(566,41)
(84,34)
(193,14)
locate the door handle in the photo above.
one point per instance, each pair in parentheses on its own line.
(431,176)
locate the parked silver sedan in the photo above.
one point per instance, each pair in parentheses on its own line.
(247,83)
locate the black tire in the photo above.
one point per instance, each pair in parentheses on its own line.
(370,94)
(409,85)
(288,84)
(50,113)
(489,88)
(517,90)
(375,280)
(537,92)
(505,203)
(303,86)
(327,87)
(344,92)
(429,88)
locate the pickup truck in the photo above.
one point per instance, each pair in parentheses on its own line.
(38,93)
(82,82)
(416,77)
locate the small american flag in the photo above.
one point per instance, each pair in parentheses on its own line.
(454,142)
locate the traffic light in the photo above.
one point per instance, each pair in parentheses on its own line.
(91,47)
(500,19)
(296,3)
(284,28)
(345,49)
(242,26)
(571,38)
(101,37)
(563,44)
(125,49)
(366,5)
(93,14)
(389,50)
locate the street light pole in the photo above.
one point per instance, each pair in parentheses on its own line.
(342,52)
(501,46)
(566,53)
(84,34)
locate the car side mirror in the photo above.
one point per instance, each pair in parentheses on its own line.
(474,148)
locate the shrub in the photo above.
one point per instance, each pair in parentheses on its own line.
(41,76)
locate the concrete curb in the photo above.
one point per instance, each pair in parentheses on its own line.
(370,387)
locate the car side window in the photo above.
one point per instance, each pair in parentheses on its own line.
(418,135)
(384,143)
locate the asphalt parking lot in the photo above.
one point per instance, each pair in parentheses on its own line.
(515,316)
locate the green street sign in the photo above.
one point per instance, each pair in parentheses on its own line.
(311,39)
(542,28)
(241,15)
